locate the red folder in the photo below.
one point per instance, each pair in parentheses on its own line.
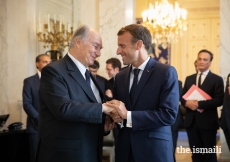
(195,93)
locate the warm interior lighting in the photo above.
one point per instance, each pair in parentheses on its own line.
(58,37)
(165,21)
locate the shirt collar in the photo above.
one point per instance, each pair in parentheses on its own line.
(143,65)
(80,66)
(39,74)
(204,73)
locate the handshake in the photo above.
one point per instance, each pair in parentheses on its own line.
(116,111)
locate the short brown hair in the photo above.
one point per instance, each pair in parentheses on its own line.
(114,62)
(38,58)
(138,32)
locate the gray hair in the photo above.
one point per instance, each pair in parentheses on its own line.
(82,33)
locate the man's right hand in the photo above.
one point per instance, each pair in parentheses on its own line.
(109,93)
(192,104)
(112,112)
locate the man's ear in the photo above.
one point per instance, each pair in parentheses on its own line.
(37,65)
(117,69)
(77,42)
(139,44)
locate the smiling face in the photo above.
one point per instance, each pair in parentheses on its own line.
(89,49)
(126,49)
(111,71)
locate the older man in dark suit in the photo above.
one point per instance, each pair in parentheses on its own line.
(201,119)
(150,96)
(71,112)
(30,99)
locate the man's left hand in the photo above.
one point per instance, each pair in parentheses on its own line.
(109,124)
(119,106)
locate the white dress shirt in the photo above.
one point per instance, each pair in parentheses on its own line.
(39,74)
(203,76)
(141,67)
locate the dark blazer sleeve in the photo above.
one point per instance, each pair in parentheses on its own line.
(180,87)
(30,97)
(215,88)
(184,90)
(65,97)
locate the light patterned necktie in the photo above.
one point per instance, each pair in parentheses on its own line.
(87,77)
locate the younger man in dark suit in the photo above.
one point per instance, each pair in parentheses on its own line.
(31,102)
(201,119)
(149,97)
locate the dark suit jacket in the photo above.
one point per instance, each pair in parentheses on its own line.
(225,113)
(70,128)
(213,85)
(153,112)
(101,82)
(179,119)
(109,85)
(30,99)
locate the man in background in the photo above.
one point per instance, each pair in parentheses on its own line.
(30,99)
(100,80)
(113,66)
(201,119)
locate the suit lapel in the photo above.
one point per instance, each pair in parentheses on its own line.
(103,99)
(144,78)
(194,79)
(206,80)
(77,76)
(37,80)
(126,84)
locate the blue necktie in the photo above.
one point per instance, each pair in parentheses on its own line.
(133,89)
(87,77)
(134,86)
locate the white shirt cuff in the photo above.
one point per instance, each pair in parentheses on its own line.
(129,119)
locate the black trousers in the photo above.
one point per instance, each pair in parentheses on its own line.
(201,138)
(33,144)
(131,158)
